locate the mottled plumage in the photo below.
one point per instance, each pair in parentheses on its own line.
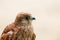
(20,29)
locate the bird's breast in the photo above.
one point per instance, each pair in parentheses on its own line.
(25,33)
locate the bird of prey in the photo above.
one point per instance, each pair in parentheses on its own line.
(20,29)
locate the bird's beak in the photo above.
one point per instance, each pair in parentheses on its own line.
(33,18)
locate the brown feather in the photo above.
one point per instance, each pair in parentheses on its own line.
(19,30)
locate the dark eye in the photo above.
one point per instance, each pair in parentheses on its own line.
(27,17)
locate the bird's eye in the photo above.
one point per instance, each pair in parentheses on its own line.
(27,17)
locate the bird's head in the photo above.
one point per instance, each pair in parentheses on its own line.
(24,18)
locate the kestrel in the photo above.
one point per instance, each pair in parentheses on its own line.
(20,29)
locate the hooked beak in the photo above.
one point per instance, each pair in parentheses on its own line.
(33,18)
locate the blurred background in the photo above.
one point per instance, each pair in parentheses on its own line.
(47,13)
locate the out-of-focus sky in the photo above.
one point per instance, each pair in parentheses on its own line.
(47,13)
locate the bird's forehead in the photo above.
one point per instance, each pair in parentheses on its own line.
(23,15)
(27,14)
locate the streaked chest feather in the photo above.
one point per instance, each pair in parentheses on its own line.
(25,33)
